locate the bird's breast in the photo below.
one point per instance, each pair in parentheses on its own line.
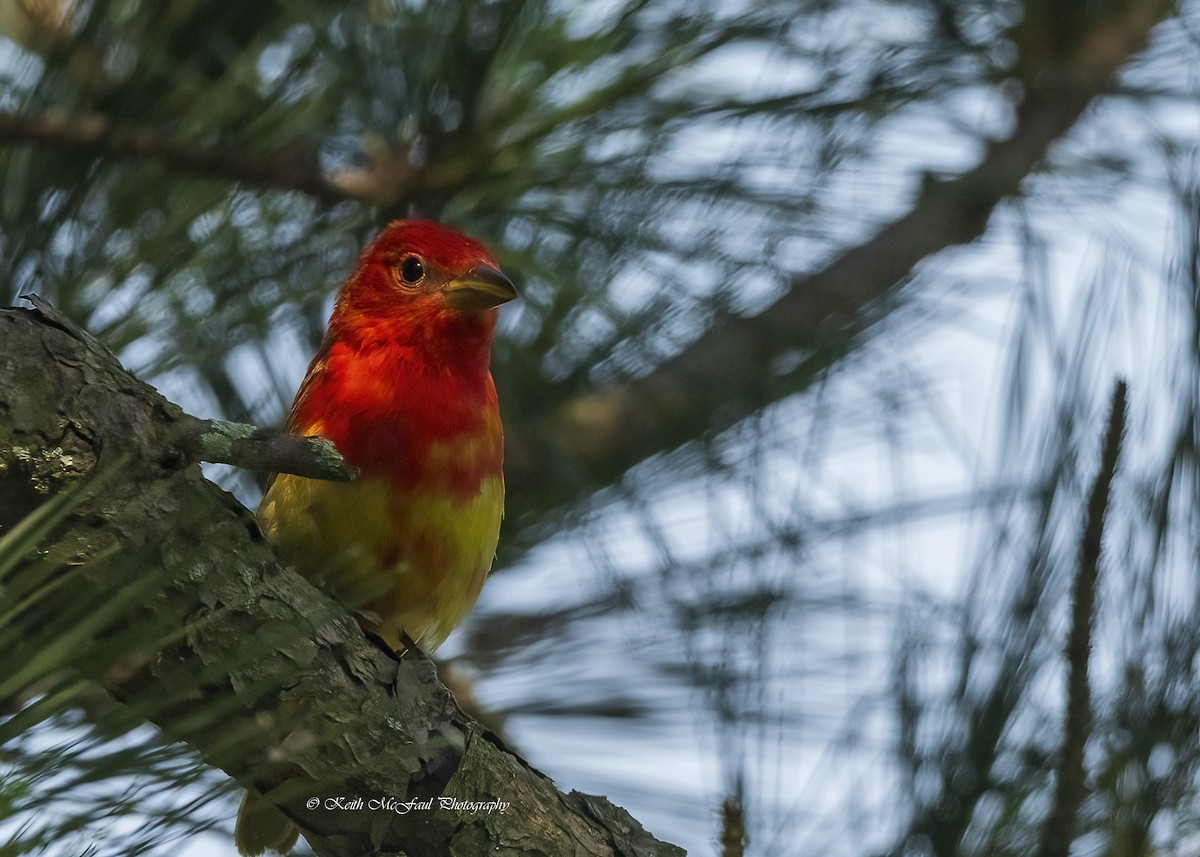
(392,414)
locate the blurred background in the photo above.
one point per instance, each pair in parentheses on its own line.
(795,493)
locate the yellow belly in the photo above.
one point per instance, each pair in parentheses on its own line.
(408,560)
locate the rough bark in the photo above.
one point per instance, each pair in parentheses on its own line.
(306,708)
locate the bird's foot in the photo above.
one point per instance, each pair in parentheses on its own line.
(383,646)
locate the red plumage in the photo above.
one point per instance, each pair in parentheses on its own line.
(394,377)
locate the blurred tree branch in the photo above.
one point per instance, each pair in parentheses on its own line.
(292,167)
(1058,831)
(1066,59)
(296,702)
(718,379)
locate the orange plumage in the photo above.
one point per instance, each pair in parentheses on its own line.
(401,385)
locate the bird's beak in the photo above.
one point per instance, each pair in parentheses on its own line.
(483,287)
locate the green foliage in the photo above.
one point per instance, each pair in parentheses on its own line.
(77,769)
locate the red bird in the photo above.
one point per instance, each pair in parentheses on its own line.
(401,385)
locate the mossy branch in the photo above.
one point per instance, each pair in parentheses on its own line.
(223,442)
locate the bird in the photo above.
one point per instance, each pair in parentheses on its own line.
(401,384)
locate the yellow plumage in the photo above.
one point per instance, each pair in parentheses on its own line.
(339,535)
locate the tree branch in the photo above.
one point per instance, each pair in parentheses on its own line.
(263,450)
(224,442)
(269,679)
(385,180)
(290,168)
(1058,831)
(718,379)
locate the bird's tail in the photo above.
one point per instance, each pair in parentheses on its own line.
(261,827)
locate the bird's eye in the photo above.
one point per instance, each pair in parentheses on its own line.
(412,270)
